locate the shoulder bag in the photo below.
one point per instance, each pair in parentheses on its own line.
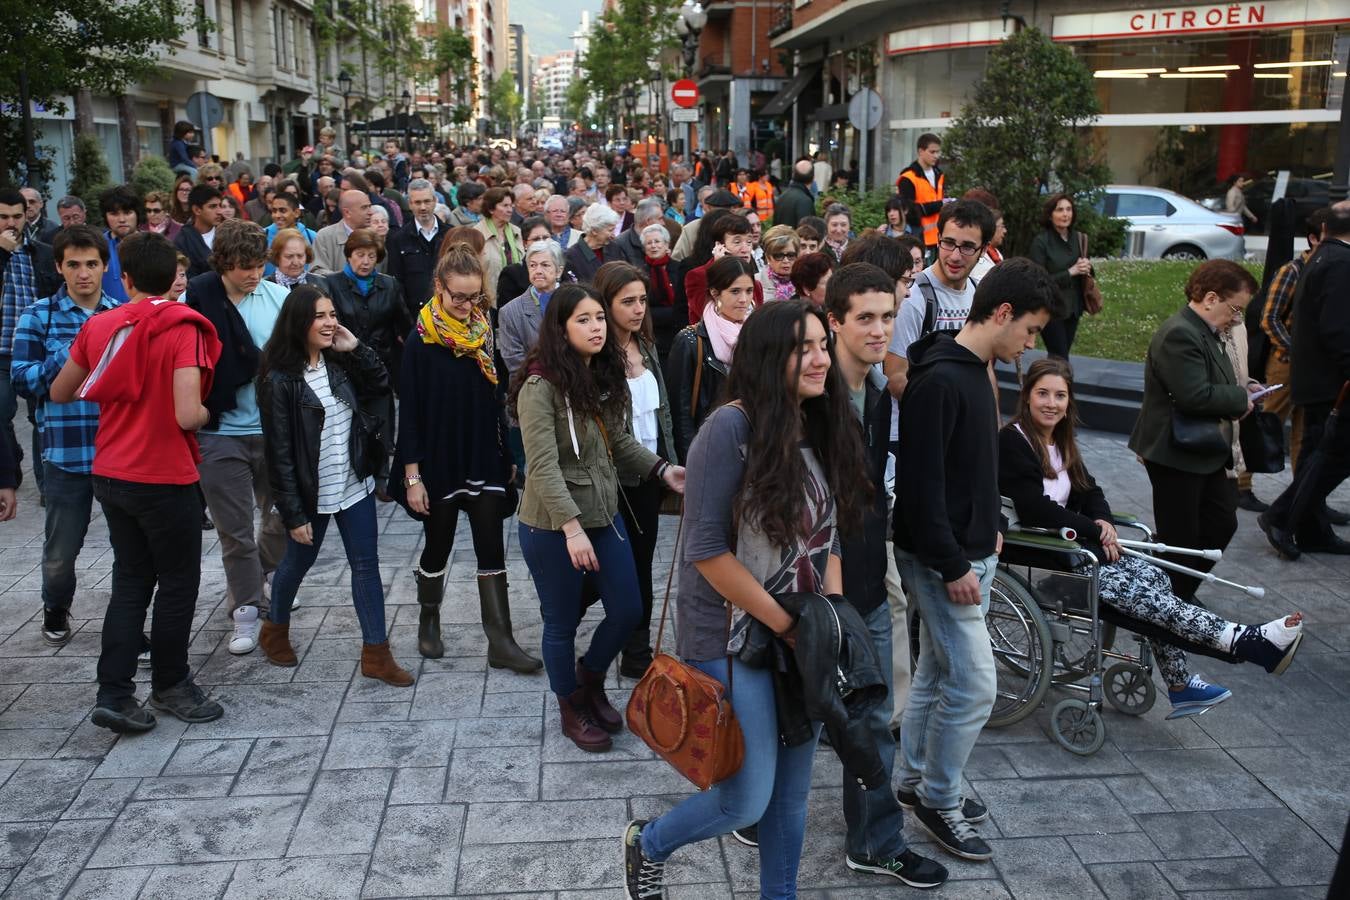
(1092,295)
(684,714)
(1201,435)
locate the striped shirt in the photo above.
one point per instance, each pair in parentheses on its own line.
(339,488)
(42,342)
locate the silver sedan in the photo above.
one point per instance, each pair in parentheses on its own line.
(1166,225)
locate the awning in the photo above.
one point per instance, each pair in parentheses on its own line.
(783,100)
(394,126)
(833,113)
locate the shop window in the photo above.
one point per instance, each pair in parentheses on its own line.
(1131,205)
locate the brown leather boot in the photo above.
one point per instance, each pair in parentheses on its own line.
(503,651)
(275,641)
(578,724)
(593,686)
(377,662)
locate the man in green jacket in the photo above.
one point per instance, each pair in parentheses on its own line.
(795,203)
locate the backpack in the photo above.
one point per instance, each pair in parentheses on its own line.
(930,306)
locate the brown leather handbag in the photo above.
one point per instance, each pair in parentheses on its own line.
(1092,294)
(685,715)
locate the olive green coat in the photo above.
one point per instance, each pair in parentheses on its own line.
(564,483)
(1186,369)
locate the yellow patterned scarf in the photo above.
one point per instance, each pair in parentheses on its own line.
(464,338)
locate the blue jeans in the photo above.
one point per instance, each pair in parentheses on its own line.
(70,500)
(954,685)
(559,589)
(359,532)
(770,789)
(875,819)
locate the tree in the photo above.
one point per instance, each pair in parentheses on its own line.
(1028,122)
(506,102)
(55,48)
(89,174)
(152,174)
(625,49)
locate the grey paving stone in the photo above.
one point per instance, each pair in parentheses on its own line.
(272,710)
(176,787)
(101,798)
(1197,874)
(525,703)
(194,882)
(557,865)
(1132,881)
(1033,761)
(498,732)
(493,773)
(1136,794)
(570,781)
(58,706)
(418,785)
(1289,851)
(542,821)
(1036,868)
(32,743)
(109,884)
(42,789)
(379,711)
(1055,807)
(418,852)
(1201,780)
(359,745)
(208,757)
(330,878)
(58,860)
(1114,848)
(18,841)
(281,766)
(7,767)
(49,670)
(455,695)
(1192,835)
(183,831)
(143,754)
(343,813)
(87,741)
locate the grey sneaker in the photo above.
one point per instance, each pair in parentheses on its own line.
(953,833)
(188,702)
(643,878)
(124,716)
(974,811)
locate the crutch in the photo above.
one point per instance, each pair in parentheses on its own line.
(1208,577)
(1212,555)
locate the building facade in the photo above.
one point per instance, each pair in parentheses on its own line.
(738,71)
(1246,87)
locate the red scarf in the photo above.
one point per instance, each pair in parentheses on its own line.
(663,293)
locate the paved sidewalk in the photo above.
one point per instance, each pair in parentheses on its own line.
(319,783)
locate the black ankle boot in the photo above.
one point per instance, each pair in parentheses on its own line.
(430,592)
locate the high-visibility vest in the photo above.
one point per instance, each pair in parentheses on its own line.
(759,197)
(924,192)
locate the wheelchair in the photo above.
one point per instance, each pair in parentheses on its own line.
(1048,628)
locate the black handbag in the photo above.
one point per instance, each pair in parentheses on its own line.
(1199,434)
(1261,436)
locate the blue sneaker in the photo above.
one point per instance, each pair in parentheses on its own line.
(1196,698)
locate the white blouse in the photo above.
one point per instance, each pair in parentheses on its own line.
(339,488)
(646,401)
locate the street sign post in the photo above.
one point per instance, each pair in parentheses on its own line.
(209,111)
(684,116)
(864,114)
(684,93)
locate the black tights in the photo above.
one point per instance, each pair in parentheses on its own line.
(485,526)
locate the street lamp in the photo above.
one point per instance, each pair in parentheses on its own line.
(344,80)
(407,123)
(630,107)
(693,17)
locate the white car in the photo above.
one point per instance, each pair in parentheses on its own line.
(1166,225)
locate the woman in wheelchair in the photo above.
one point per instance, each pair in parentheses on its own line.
(1042,472)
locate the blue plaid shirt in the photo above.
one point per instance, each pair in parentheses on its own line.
(42,342)
(20,290)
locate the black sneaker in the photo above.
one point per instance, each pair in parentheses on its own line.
(974,811)
(56,626)
(749,835)
(911,868)
(124,716)
(188,702)
(642,878)
(952,832)
(1250,502)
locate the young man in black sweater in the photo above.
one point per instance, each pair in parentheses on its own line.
(947,532)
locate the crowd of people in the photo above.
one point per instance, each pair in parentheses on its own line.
(578,341)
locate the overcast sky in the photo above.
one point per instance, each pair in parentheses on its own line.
(549,23)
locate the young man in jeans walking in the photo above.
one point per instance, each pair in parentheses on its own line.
(146,364)
(42,342)
(947,532)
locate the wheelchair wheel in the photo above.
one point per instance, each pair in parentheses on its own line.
(1130,689)
(1077,727)
(1020,638)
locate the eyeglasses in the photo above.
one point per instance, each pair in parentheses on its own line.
(153,210)
(213,178)
(906,280)
(461,299)
(783,256)
(1238,311)
(966,249)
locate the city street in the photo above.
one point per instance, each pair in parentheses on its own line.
(319,783)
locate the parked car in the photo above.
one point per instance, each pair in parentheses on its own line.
(1166,225)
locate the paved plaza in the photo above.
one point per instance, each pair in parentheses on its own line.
(319,783)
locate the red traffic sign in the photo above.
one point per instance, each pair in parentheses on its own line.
(684,93)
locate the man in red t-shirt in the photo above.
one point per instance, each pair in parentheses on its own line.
(148,365)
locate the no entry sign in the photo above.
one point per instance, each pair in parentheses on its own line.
(684,93)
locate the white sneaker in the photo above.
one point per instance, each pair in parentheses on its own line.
(245,630)
(267,596)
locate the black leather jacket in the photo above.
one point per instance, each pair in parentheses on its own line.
(687,412)
(833,676)
(292,420)
(380,318)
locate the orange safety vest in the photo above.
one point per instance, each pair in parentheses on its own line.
(759,197)
(925,193)
(739,191)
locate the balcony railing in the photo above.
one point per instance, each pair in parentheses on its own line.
(780,18)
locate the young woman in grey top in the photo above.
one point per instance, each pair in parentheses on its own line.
(768,481)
